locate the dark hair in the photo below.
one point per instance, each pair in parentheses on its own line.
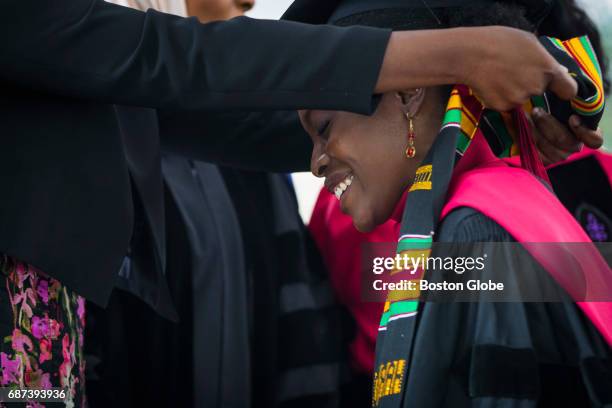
(568,20)
(511,15)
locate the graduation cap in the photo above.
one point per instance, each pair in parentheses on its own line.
(331,11)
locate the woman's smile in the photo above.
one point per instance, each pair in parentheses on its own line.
(339,186)
(356,153)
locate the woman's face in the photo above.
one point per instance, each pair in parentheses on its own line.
(363,158)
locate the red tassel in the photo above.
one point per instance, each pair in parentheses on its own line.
(530,157)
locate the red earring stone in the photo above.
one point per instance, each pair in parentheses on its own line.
(411,149)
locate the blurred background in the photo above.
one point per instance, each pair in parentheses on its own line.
(307,186)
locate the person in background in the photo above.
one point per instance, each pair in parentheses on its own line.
(239,264)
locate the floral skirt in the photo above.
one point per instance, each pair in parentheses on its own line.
(41,332)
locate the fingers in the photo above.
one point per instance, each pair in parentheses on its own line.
(591,138)
(549,153)
(555,132)
(554,140)
(562,84)
(539,140)
(541,143)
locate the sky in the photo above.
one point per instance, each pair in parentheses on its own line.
(597,9)
(270,9)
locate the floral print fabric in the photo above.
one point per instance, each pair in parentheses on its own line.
(41,328)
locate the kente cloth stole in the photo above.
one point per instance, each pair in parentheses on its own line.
(507,136)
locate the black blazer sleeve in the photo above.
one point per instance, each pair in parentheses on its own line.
(263,141)
(98,51)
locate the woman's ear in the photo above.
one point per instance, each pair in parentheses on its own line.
(411,101)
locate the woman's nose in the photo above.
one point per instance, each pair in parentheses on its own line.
(319,162)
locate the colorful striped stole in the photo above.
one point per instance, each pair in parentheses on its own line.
(581,51)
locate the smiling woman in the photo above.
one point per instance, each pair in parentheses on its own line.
(401,148)
(367,150)
(370,151)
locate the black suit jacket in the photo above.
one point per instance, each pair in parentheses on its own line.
(70,167)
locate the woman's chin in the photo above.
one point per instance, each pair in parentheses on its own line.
(364,223)
(363,214)
(364,228)
(366,219)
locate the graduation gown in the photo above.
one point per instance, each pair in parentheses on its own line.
(483,353)
(502,354)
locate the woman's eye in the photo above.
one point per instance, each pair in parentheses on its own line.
(323,128)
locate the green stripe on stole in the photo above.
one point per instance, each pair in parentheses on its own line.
(398,308)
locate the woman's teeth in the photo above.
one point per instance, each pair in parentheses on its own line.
(341,188)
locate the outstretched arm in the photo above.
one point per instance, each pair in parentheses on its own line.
(263,141)
(94,50)
(504,66)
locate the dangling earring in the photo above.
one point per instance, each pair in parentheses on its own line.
(411,149)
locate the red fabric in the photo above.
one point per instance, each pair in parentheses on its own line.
(339,241)
(528,224)
(530,157)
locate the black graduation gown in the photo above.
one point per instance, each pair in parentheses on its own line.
(496,354)
(219,314)
(299,333)
(589,202)
(264,331)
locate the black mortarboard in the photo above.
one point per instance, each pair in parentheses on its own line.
(330,11)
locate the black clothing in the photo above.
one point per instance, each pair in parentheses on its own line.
(331,11)
(136,358)
(502,354)
(62,65)
(218,320)
(258,322)
(298,333)
(561,340)
(589,202)
(243,147)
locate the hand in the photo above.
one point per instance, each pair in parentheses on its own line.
(557,141)
(506,67)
